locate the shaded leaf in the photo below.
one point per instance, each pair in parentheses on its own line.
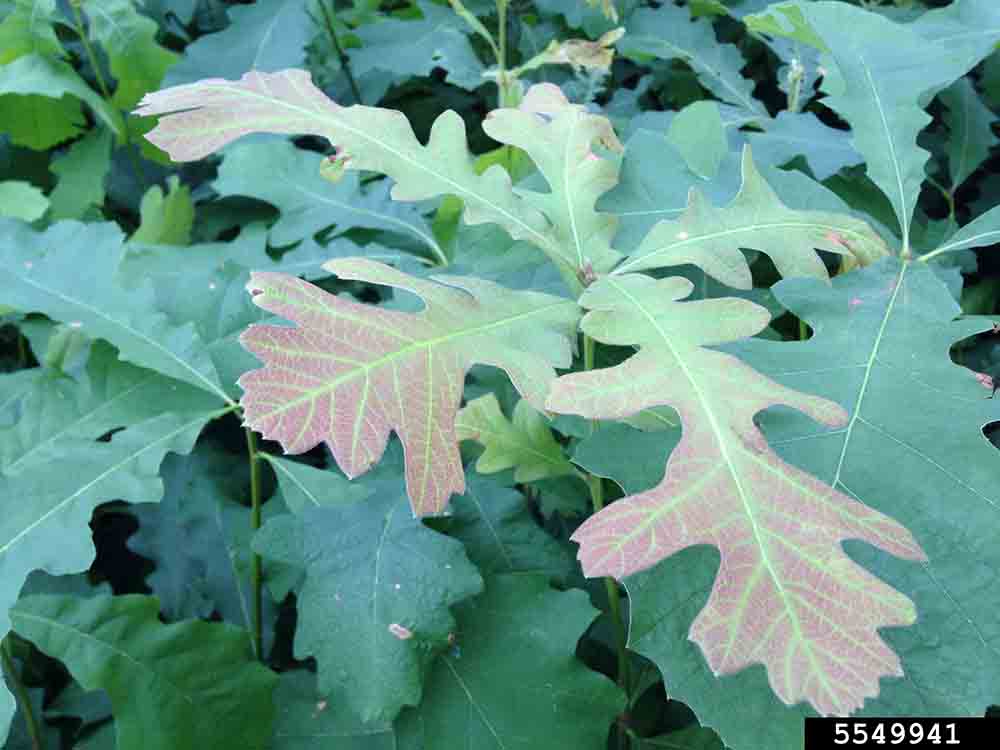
(500,535)
(81,170)
(288,178)
(788,135)
(698,134)
(207,690)
(669,33)
(259,37)
(513,679)
(374,607)
(971,136)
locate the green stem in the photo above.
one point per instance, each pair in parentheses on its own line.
(255,564)
(103,86)
(614,597)
(22,696)
(345,61)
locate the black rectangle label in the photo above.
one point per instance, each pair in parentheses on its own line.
(912,734)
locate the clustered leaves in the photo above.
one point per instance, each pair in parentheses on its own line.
(685,291)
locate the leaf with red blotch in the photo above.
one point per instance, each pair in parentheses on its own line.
(786,594)
(350,373)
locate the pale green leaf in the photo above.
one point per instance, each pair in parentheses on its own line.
(186,686)
(881,348)
(166,219)
(513,680)
(982,231)
(698,134)
(712,238)
(969,27)
(524,443)
(28,30)
(22,200)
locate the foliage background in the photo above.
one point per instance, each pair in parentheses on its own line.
(158,472)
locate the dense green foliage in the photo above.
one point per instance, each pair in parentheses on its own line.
(554,374)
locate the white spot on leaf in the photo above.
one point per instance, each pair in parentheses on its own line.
(400,631)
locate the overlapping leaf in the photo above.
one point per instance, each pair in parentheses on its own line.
(374,607)
(669,33)
(288,178)
(350,373)
(209,114)
(786,596)
(41,272)
(206,688)
(711,238)
(881,348)
(513,679)
(880,75)
(524,442)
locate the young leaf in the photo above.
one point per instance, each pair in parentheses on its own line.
(756,218)
(166,219)
(374,608)
(513,678)
(698,133)
(209,114)
(880,75)
(787,596)
(524,443)
(186,686)
(500,535)
(350,373)
(41,272)
(881,347)
(669,33)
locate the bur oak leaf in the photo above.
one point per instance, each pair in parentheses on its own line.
(786,594)
(350,373)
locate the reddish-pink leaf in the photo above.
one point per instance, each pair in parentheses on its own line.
(786,595)
(350,373)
